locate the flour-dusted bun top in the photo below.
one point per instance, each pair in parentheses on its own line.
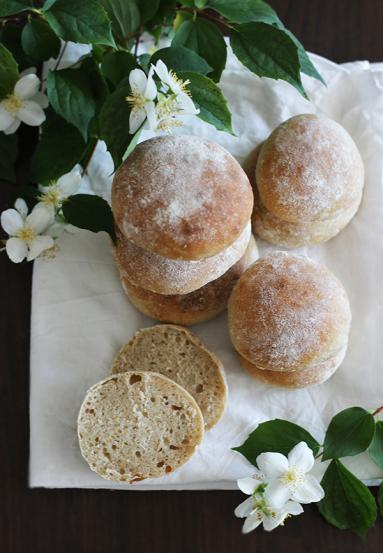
(308,169)
(288,312)
(175,276)
(182,197)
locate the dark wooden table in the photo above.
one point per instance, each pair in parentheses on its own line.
(63,521)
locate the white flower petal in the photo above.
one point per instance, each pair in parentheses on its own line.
(11,221)
(309,491)
(12,128)
(272,464)
(69,183)
(31,113)
(27,86)
(137,80)
(16,249)
(247,485)
(136,118)
(293,508)
(151,89)
(40,218)
(186,104)
(151,115)
(21,207)
(28,71)
(270,523)
(244,508)
(277,494)
(162,71)
(251,523)
(301,457)
(39,245)
(55,229)
(41,99)
(6,118)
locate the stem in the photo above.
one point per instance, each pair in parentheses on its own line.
(87,161)
(377,411)
(207,15)
(60,56)
(136,43)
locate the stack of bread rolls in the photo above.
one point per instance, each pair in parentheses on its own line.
(307,179)
(182,207)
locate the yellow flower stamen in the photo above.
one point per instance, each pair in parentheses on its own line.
(292,478)
(27,234)
(136,100)
(181,84)
(51,196)
(12,103)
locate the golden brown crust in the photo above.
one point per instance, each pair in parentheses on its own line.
(287,312)
(308,169)
(198,306)
(316,374)
(175,276)
(182,197)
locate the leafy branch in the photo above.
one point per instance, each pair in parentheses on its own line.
(348,503)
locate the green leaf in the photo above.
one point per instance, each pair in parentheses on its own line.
(179,58)
(114,124)
(205,39)
(70,94)
(267,52)
(244,11)
(9,72)
(275,435)
(61,146)
(8,155)
(124,16)
(348,503)
(39,41)
(89,212)
(208,97)
(133,143)
(10,7)
(350,432)
(85,22)
(306,65)
(10,37)
(117,65)
(380,498)
(375,449)
(148,9)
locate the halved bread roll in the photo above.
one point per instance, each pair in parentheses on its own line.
(198,306)
(138,425)
(175,276)
(178,354)
(182,197)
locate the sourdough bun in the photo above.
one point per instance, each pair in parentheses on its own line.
(308,169)
(181,197)
(288,312)
(176,353)
(316,374)
(175,276)
(138,425)
(198,306)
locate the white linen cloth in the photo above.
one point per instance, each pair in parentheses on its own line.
(81,317)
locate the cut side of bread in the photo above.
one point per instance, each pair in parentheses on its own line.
(176,353)
(138,425)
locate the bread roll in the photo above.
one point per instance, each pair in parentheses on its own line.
(175,276)
(308,169)
(288,312)
(182,197)
(198,306)
(138,425)
(178,354)
(316,374)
